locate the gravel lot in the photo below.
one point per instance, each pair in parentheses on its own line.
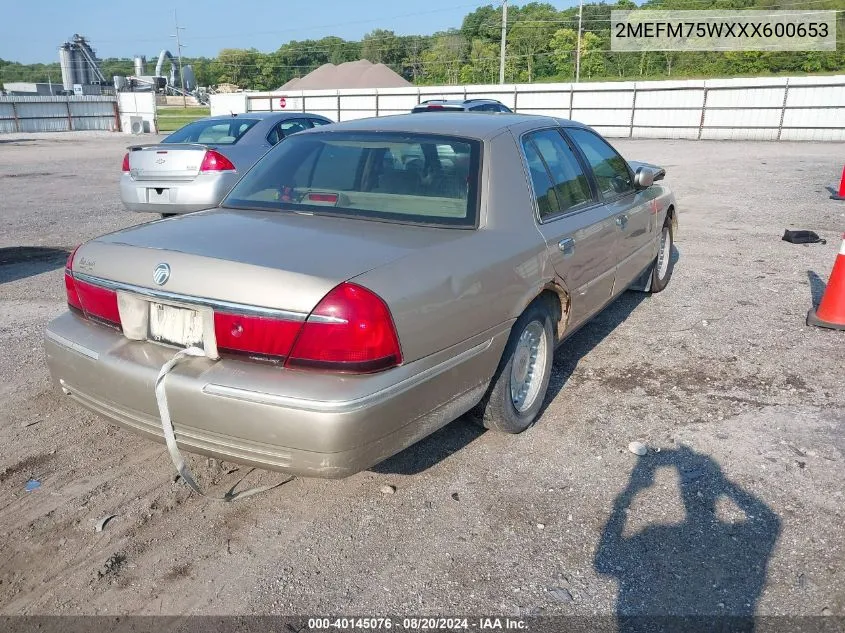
(742,510)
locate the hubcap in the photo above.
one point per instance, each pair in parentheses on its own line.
(529,362)
(665,253)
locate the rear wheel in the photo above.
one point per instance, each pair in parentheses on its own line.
(663,264)
(519,385)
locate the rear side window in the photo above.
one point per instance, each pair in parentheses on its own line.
(568,181)
(411,178)
(544,190)
(212,131)
(610,169)
(286,128)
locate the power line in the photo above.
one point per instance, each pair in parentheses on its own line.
(230,35)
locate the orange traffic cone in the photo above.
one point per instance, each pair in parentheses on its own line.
(841,194)
(831,310)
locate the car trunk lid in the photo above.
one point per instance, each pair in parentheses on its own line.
(277,260)
(166,161)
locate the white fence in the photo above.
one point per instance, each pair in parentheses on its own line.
(763,108)
(58,114)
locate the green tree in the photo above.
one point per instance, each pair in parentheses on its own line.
(530,35)
(237,66)
(483,24)
(443,61)
(482,66)
(412,64)
(382,47)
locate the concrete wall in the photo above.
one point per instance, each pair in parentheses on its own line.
(762,108)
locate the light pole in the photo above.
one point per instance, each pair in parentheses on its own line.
(179,53)
(578,45)
(504,41)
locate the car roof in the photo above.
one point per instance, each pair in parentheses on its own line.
(260,115)
(483,125)
(460,101)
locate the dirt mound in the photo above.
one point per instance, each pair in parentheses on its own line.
(359,74)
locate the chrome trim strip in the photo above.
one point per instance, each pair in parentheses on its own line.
(76,347)
(345,406)
(319,318)
(227,306)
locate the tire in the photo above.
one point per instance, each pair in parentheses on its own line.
(499,410)
(661,272)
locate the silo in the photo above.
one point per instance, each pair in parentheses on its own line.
(189,77)
(140,65)
(66,64)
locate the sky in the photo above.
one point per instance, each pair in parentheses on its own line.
(31,31)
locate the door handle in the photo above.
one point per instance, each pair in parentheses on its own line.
(621,221)
(567,246)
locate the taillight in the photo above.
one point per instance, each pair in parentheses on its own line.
(98,302)
(126,162)
(70,288)
(352,330)
(215,161)
(91,301)
(72,296)
(254,335)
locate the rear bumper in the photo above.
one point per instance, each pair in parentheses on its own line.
(207,190)
(304,423)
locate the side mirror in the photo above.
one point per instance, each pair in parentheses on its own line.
(644,178)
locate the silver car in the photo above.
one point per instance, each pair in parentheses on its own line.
(362,286)
(197,165)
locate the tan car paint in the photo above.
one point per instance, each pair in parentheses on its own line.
(453,293)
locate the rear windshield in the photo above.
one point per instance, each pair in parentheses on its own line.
(410,178)
(212,131)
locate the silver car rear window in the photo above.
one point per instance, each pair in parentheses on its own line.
(212,131)
(409,178)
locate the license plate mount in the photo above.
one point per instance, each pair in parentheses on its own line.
(159,196)
(173,325)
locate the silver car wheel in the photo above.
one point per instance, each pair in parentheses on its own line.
(665,254)
(529,362)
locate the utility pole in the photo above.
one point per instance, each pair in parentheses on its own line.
(578,45)
(504,41)
(179,53)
